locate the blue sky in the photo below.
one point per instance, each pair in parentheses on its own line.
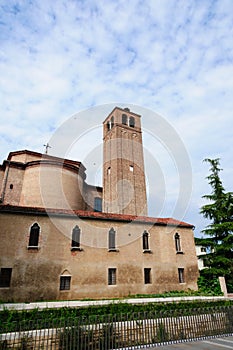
(172,57)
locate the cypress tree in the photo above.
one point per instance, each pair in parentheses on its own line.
(219,240)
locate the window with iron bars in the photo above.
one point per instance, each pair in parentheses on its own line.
(111,276)
(65,282)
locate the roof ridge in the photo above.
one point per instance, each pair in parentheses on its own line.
(94,215)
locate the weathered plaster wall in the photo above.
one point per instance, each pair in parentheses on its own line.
(12,185)
(89,195)
(52,186)
(36,273)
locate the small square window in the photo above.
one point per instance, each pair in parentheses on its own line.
(65,282)
(131,168)
(147,276)
(111,277)
(5,277)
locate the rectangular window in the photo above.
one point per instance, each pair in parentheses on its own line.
(111,277)
(147,276)
(98,204)
(5,277)
(181,275)
(65,282)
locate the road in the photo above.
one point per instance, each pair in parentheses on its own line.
(207,344)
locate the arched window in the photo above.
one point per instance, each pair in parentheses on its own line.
(34,235)
(145,240)
(124,119)
(177,242)
(75,243)
(112,239)
(132,122)
(98,204)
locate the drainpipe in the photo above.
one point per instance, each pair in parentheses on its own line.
(5,181)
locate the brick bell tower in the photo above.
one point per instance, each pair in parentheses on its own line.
(124,187)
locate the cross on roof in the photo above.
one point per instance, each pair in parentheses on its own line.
(47,146)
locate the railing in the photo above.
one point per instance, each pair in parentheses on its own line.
(137,330)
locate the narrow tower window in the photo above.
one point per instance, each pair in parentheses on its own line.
(34,236)
(75,243)
(177,242)
(124,119)
(145,240)
(112,122)
(132,122)
(112,239)
(109,170)
(98,204)
(131,168)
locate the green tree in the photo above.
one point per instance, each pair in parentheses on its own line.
(219,232)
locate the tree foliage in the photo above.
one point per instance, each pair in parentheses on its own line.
(219,240)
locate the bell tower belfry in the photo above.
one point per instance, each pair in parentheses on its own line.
(124,187)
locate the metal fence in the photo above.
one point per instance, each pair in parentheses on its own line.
(134,330)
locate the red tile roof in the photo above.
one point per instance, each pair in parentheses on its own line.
(45,156)
(44,159)
(94,215)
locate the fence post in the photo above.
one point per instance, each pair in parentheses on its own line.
(223,286)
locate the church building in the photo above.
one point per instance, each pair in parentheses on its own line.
(64,239)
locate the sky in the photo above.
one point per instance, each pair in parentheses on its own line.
(170,60)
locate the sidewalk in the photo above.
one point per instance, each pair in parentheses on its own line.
(212,344)
(85,303)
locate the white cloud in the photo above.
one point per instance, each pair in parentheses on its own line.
(59,57)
